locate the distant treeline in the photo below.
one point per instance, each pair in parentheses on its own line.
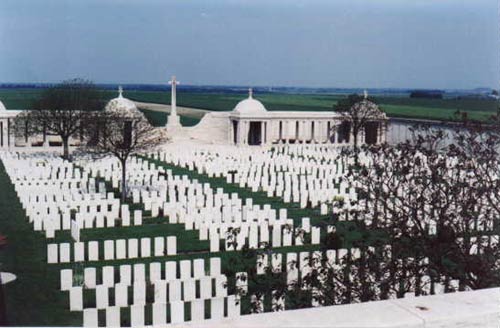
(228,89)
(427,94)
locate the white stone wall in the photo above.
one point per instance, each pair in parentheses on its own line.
(479,309)
(213,128)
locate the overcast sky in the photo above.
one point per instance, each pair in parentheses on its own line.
(330,43)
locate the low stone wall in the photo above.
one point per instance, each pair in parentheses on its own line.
(464,309)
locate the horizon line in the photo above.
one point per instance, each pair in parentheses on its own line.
(258,86)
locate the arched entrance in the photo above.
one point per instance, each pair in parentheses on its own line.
(371,132)
(255,133)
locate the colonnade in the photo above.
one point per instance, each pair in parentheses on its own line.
(274,131)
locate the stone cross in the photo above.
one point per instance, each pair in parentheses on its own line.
(120,91)
(173,103)
(173,121)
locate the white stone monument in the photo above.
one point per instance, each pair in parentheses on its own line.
(173,121)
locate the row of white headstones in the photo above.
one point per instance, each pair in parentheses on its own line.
(283,171)
(31,174)
(311,176)
(65,187)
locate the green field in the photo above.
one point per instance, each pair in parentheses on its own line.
(395,106)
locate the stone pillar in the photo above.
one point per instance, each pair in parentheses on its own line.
(244,131)
(327,131)
(262,132)
(2,134)
(298,131)
(241,127)
(10,140)
(45,141)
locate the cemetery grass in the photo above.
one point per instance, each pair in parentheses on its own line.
(394,106)
(35,294)
(34,298)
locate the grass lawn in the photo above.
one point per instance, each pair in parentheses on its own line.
(34,298)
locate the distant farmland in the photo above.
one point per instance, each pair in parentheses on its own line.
(394,106)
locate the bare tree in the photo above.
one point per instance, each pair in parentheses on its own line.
(358,112)
(436,197)
(61,111)
(121,134)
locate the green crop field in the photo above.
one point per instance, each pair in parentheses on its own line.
(394,106)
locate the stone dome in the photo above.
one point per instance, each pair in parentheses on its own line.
(249,105)
(2,107)
(121,104)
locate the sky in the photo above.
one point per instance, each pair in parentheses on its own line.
(452,44)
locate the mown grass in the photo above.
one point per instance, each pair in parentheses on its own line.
(33,299)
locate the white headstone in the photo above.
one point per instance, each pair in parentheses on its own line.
(64,253)
(121,249)
(145,247)
(113,316)
(52,253)
(217,308)
(101,297)
(154,272)
(139,293)
(177,312)
(140,272)
(159,246)
(79,251)
(215,266)
(233,307)
(93,250)
(66,279)
(170,270)
(189,290)
(109,249)
(171,245)
(137,315)
(159,314)
(108,276)
(198,310)
(199,268)
(76,298)
(174,290)
(137,217)
(315,235)
(121,295)
(133,248)
(160,292)
(126,274)
(90,318)
(206,287)
(185,269)
(89,277)
(75,230)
